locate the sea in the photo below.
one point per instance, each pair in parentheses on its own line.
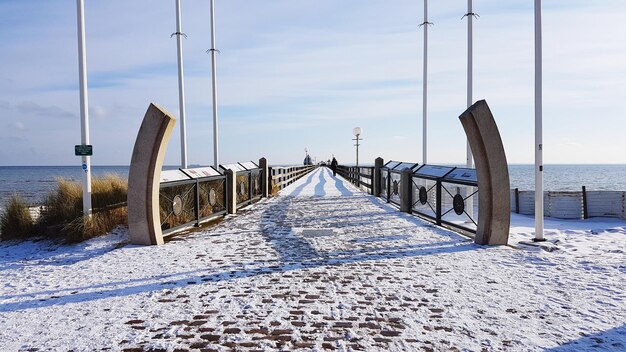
(34,182)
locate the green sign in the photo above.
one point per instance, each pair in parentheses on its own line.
(83,150)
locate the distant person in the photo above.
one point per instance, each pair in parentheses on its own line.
(333,166)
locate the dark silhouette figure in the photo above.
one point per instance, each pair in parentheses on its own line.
(333,166)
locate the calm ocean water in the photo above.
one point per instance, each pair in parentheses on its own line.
(33,182)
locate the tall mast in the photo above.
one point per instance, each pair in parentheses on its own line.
(181,87)
(538,126)
(213,52)
(425,24)
(84,107)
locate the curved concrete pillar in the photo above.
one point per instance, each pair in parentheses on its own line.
(494,207)
(144,221)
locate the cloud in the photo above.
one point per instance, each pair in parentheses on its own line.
(31,108)
(18,125)
(97,112)
(314,70)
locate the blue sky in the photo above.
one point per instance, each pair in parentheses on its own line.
(295,74)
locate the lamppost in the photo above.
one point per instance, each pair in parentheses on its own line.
(357,133)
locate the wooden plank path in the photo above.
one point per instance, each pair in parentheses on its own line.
(321,267)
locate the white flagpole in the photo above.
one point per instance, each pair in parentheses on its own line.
(470,74)
(84,107)
(213,51)
(470,98)
(538,127)
(425,87)
(181,87)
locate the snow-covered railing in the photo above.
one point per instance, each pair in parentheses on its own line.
(283,176)
(188,197)
(192,196)
(248,182)
(391,180)
(445,195)
(572,204)
(361,176)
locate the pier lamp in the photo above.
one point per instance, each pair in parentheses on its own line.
(357,133)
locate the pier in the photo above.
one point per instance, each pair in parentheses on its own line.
(322,265)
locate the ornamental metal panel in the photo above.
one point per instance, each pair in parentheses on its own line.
(395,187)
(384,183)
(212,197)
(462,175)
(256,180)
(173,175)
(455,205)
(424,197)
(242,188)
(177,205)
(201,172)
(434,171)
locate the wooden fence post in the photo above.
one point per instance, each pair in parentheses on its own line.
(585,214)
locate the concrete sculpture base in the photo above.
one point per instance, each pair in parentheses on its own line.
(144,176)
(494,208)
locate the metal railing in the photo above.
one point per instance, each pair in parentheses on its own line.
(391,180)
(444,195)
(248,182)
(191,201)
(283,176)
(362,176)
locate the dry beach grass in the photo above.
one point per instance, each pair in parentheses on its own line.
(61,213)
(15,220)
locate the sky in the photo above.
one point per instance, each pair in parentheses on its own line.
(296,74)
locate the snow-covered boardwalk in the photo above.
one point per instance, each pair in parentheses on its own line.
(322,266)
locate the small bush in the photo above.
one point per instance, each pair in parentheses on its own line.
(15,220)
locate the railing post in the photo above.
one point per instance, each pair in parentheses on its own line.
(406,193)
(517,200)
(438,202)
(265,172)
(231,191)
(250,187)
(585,214)
(197,202)
(377,177)
(388,185)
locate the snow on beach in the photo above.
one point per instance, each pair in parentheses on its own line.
(323,266)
